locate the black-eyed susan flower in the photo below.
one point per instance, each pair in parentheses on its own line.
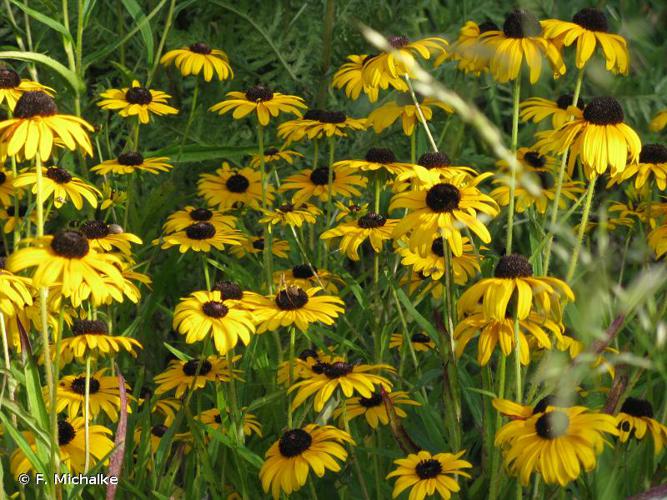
(213,419)
(574,347)
(29,317)
(133,161)
(536,109)
(472,55)
(112,291)
(443,208)
(62,185)
(202,237)
(92,338)
(289,214)
(351,77)
(373,227)
(437,163)
(168,407)
(230,290)
(659,121)
(181,219)
(137,101)
(260,100)
(293,305)
(301,366)
(652,162)
(350,378)
(350,209)
(203,314)
(67,260)
(426,474)
(521,42)
(108,237)
(558,443)
(289,460)
(599,139)
(422,285)
(589,28)
(320,123)
(15,291)
(311,183)
(657,240)
(198,58)
(306,276)
(635,418)
(376,159)
(104,395)
(431,263)
(112,197)
(398,62)
(419,341)
(37,126)
(491,332)
(404,108)
(514,281)
(374,409)
(12,87)
(8,190)
(231,187)
(71,446)
(255,245)
(12,219)
(195,374)
(272,155)
(158,431)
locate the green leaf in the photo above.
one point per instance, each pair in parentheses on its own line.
(22,443)
(72,78)
(146,32)
(179,354)
(196,152)
(51,23)
(421,320)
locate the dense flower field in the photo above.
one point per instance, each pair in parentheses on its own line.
(341,253)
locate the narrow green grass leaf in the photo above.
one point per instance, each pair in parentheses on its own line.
(134,9)
(39,17)
(72,78)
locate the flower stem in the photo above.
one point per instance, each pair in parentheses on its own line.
(420,114)
(495,457)
(559,182)
(163,40)
(290,361)
(582,228)
(86,416)
(517,359)
(515,140)
(353,455)
(413,147)
(332,146)
(193,106)
(207,275)
(267,253)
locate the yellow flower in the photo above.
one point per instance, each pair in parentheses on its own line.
(443,208)
(132,161)
(37,126)
(307,276)
(319,123)
(107,237)
(557,443)
(15,291)
(659,121)
(374,227)
(195,374)
(289,460)
(202,237)
(419,342)
(589,28)
(17,220)
(181,219)
(472,55)
(255,245)
(374,409)
(62,185)
(376,159)
(521,41)
(599,139)
(652,161)
(404,108)
(213,419)
(289,214)
(635,418)
(274,155)
(199,57)
(260,100)
(232,188)
(351,76)
(536,109)
(8,188)
(427,474)
(436,163)
(431,263)
(311,183)
(137,101)
(203,314)
(12,87)
(657,240)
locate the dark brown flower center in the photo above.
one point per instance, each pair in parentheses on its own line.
(270,151)
(130,158)
(294,442)
(566,100)
(200,231)
(653,153)
(79,385)
(513,266)
(521,23)
(65,433)
(215,309)
(259,93)
(313,114)
(11,210)
(307,353)
(332,117)
(637,407)
(546,180)
(398,41)
(534,159)
(371,220)
(146,393)
(373,401)
(438,247)
(552,425)
(58,175)
(200,48)
(433,160)
(420,338)
(542,404)
(304,271)
(218,418)
(89,327)
(320,176)
(3,178)
(487,26)
(9,78)
(138,95)
(604,111)
(592,20)
(380,155)
(70,244)
(337,369)
(95,229)
(443,197)
(201,214)
(159,430)
(228,290)
(428,469)
(237,183)
(190,368)
(286,207)
(258,244)
(291,298)
(35,103)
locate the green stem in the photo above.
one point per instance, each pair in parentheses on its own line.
(290,360)
(193,107)
(517,360)
(559,181)
(495,457)
(207,275)
(353,455)
(332,146)
(165,32)
(582,228)
(515,140)
(86,416)
(413,147)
